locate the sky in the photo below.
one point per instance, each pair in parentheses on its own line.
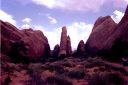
(50,16)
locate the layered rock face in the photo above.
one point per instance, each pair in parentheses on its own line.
(65,43)
(81,49)
(108,37)
(26,45)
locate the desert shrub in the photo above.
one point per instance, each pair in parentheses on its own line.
(92,63)
(35,79)
(6,81)
(35,67)
(17,53)
(115,67)
(58,68)
(102,68)
(106,78)
(54,80)
(76,74)
(68,64)
(115,79)
(34,70)
(96,79)
(9,68)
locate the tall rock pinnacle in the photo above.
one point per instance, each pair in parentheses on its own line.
(65,43)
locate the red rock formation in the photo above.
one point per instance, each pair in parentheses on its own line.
(69,48)
(56,51)
(117,44)
(65,43)
(102,30)
(80,48)
(121,30)
(109,38)
(27,43)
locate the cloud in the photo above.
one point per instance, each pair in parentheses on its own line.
(77,31)
(52,19)
(25,26)
(126,1)
(26,20)
(117,16)
(7,17)
(53,36)
(77,5)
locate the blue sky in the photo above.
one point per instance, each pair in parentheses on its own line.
(50,15)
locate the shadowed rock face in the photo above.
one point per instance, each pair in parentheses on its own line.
(69,48)
(80,48)
(118,42)
(102,30)
(56,51)
(65,44)
(109,38)
(120,32)
(24,44)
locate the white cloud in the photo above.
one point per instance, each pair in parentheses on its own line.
(77,31)
(53,36)
(117,16)
(52,19)
(48,3)
(7,17)
(25,26)
(78,5)
(126,1)
(26,20)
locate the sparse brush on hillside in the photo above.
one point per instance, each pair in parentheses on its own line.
(55,80)
(106,78)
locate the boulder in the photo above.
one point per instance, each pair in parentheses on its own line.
(108,38)
(102,30)
(117,44)
(23,45)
